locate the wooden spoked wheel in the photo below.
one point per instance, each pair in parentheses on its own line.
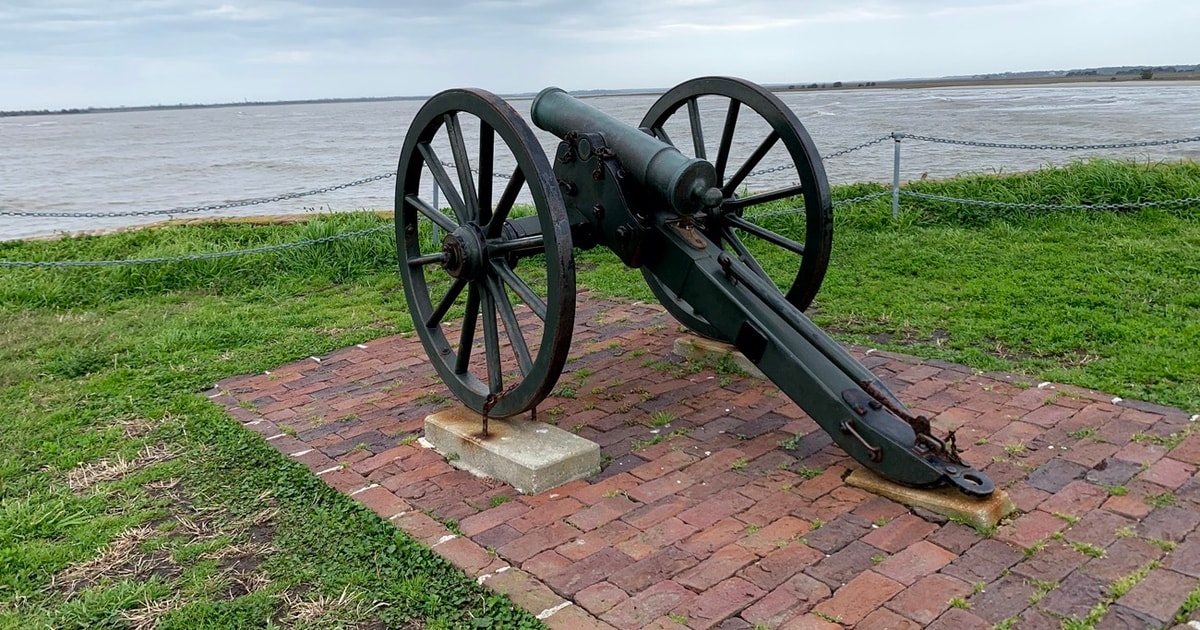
(782,230)
(489,281)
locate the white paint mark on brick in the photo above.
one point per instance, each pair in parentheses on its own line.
(329,470)
(365,488)
(317,359)
(276,436)
(253,422)
(361,345)
(545,614)
(397,515)
(446,538)
(487,576)
(1046,385)
(302,453)
(1117,400)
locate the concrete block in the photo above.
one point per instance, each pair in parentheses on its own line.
(981,513)
(695,348)
(530,456)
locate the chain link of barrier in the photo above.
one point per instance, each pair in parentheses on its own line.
(188,210)
(1013,205)
(1047,147)
(831,156)
(841,202)
(191,257)
(837,154)
(765,171)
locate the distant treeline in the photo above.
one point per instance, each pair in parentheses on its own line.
(1109,71)
(1144,71)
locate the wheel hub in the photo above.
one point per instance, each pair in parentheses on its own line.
(463,253)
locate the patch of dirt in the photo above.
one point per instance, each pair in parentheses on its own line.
(88,474)
(151,551)
(119,560)
(1073,357)
(909,337)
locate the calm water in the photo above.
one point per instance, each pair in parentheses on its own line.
(171,159)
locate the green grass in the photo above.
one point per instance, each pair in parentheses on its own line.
(111,463)
(97,365)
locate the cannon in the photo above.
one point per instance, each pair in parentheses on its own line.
(490,280)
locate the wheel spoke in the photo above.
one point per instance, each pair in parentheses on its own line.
(753,200)
(487,143)
(661,134)
(693,106)
(466,336)
(511,327)
(756,157)
(765,234)
(443,307)
(432,213)
(462,164)
(442,180)
(731,118)
(744,254)
(491,344)
(505,204)
(523,290)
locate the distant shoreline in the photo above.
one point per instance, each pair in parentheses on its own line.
(1183,78)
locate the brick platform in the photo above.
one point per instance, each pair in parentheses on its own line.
(734,515)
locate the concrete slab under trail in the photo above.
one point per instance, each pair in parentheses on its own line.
(720,503)
(530,456)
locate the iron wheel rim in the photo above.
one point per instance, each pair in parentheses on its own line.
(813,188)
(481,229)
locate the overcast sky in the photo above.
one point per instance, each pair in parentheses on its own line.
(75,53)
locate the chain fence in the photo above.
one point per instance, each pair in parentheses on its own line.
(1046,147)
(895,192)
(205,208)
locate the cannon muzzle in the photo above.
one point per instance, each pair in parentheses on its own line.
(687,184)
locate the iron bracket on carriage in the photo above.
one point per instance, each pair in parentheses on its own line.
(670,198)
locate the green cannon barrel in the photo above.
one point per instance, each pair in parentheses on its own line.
(688,184)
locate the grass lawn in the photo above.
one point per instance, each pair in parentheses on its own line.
(126,498)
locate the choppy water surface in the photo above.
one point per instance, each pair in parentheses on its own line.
(169,159)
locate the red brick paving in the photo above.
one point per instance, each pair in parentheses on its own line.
(721,526)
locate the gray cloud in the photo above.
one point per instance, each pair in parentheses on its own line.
(57,53)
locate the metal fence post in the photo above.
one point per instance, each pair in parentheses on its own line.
(896,175)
